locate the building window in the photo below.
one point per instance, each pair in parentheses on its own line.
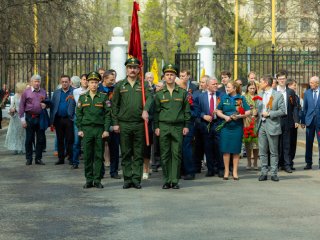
(282,6)
(282,25)
(305,25)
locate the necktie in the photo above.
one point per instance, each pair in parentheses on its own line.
(211,104)
(315,98)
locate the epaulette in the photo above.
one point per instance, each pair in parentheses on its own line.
(103,93)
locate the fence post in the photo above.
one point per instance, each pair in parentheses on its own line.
(272,59)
(145,58)
(177,57)
(49,70)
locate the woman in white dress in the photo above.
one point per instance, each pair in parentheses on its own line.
(16,134)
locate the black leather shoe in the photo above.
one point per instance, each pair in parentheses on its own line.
(87,185)
(220,174)
(209,174)
(116,176)
(189,177)
(166,186)
(29,162)
(137,186)
(293,169)
(74,167)
(236,178)
(127,185)
(288,170)
(263,178)
(98,185)
(308,167)
(275,178)
(59,163)
(39,162)
(175,186)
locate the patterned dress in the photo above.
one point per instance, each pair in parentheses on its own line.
(247,121)
(16,134)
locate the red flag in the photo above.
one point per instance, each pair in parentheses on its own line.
(135,51)
(135,41)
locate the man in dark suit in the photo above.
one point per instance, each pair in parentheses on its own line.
(292,84)
(188,163)
(207,103)
(225,78)
(62,116)
(311,118)
(288,121)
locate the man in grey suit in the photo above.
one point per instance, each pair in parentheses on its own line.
(270,110)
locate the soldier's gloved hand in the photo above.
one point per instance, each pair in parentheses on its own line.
(145,115)
(157,132)
(116,128)
(185,131)
(80,134)
(105,134)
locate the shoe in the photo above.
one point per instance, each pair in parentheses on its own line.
(39,162)
(59,162)
(55,153)
(225,178)
(87,185)
(166,186)
(74,167)
(293,168)
(209,174)
(275,178)
(137,186)
(288,169)
(98,185)
(145,176)
(236,178)
(29,162)
(263,178)
(308,167)
(221,174)
(175,186)
(127,185)
(255,168)
(116,176)
(189,177)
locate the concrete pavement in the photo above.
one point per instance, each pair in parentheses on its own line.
(48,202)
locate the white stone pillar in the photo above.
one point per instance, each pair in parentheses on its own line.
(118,52)
(205,47)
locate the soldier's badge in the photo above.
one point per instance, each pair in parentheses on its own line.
(108,103)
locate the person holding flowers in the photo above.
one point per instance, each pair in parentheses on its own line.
(270,111)
(232,109)
(250,137)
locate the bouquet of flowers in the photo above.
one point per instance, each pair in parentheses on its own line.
(212,115)
(249,133)
(189,97)
(239,110)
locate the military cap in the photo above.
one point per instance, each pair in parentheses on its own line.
(94,76)
(132,62)
(170,68)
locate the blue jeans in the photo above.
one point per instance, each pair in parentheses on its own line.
(76,146)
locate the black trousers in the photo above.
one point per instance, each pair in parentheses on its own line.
(293,143)
(33,132)
(284,148)
(65,137)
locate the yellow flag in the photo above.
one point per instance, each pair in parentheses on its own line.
(203,72)
(154,70)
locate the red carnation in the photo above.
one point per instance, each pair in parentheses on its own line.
(255,98)
(241,111)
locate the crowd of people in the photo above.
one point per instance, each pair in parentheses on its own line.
(187,126)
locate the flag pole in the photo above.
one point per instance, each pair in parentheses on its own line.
(146,128)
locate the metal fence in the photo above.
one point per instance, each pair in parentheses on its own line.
(301,65)
(19,66)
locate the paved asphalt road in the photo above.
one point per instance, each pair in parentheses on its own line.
(48,202)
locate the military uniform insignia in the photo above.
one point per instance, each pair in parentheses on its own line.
(164,100)
(79,104)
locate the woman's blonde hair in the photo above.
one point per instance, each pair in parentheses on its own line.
(20,87)
(236,86)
